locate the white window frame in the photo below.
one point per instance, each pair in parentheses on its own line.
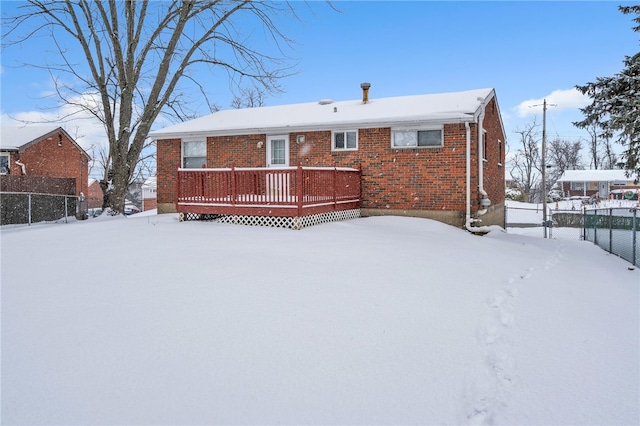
(344,133)
(577,186)
(182,153)
(416,130)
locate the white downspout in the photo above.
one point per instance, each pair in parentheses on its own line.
(481,155)
(22,166)
(469,220)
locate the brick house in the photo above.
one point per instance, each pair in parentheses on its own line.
(438,156)
(94,196)
(43,151)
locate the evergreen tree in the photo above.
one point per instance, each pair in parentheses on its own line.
(615,106)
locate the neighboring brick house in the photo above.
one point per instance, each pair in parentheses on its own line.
(437,156)
(43,151)
(95,196)
(603,184)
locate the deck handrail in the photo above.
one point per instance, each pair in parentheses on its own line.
(286,191)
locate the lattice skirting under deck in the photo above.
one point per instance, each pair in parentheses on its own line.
(275,221)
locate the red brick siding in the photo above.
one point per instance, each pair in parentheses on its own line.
(168,162)
(399,179)
(239,151)
(47,158)
(494,165)
(149,204)
(95,195)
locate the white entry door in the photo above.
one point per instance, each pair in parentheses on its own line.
(278,151)
(604,190)
(277,157)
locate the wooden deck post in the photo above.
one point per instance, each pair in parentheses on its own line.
(335,187)
(299,189)
(233,185)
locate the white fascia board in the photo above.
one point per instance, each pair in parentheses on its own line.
(300,128)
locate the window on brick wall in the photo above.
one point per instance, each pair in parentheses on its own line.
(500,152)
(345,140)
(577,186)
(484,145)
(4,164)
(194,154)
(428,137)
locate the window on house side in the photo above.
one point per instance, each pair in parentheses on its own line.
(500,153)
(4,164)
(345,140)
(194,154)
(577,186)
(417,138)
(484,145)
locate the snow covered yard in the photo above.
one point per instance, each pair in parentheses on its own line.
(384,320)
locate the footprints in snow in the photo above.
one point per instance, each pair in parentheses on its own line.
(487,391)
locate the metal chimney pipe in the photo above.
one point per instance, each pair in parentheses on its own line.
(365,92)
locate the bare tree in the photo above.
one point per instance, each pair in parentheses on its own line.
(251,97)
(562,155)
(140,57)
(525,162)
(601,153)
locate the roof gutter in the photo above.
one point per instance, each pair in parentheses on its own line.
(413,122)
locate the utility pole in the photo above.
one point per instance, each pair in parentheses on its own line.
(544,167)
(543,164)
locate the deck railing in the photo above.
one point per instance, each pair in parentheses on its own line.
(291,191)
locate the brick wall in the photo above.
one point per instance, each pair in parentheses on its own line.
(397,181)
(149,204)
(168,161)
(54,157)
(494,165)
(94,196)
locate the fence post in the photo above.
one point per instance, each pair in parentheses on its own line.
(66,207)
(610,230)
(595,226)
(634,246)
(29,209)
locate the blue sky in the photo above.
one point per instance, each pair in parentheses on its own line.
(527,51)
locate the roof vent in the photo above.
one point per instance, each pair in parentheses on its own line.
(325,101)
(365,92)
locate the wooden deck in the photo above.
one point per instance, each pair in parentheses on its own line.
(287,192)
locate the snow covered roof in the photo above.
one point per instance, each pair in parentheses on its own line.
(150,182)
(327,114)
(594,176)
(14,137)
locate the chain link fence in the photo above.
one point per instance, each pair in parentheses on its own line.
(614,229)
(28,208)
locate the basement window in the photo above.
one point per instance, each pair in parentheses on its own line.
(194,154)
(347,140)
(429,137)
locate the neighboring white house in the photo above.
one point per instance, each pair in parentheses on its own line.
(601,183)
(149,194)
